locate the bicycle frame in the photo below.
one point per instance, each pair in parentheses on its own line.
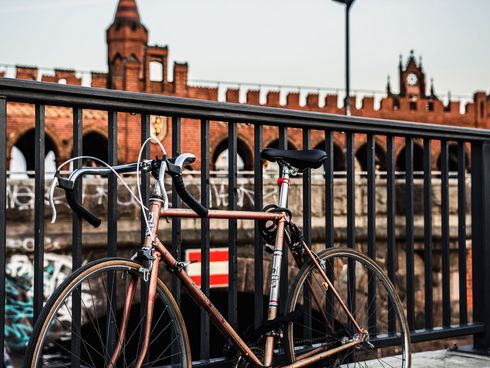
(156,212)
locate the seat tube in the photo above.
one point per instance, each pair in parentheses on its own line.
(284,187)
(276,266)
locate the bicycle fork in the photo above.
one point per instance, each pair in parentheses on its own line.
(152,293)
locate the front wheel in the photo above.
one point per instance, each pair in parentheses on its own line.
(80,324)
(322,322)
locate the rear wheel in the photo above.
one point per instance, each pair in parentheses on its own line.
(96,293)
(322,322)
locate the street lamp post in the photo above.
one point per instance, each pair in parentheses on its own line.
(348,4)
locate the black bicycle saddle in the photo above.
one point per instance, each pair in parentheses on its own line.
(300,160)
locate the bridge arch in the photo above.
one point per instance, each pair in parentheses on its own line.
(95,144)
(452,158)
(22,155)
(244,156)
(379,157)
(418,158)
(338,155)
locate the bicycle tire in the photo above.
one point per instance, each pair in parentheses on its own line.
(49,331)
(321,322)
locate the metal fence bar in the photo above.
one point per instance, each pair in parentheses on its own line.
(307,317)
(371,194)
(390,223)
(112,228)
(145,180)
(3,220)
(446,291)
(232,224)
(112,185)
(176,203)
(40,152)
(145,132)
(409,237)
(463,305)
(77,238)
(351,221)
(480,233)
(329,225)
(428,290)
(205,235)
(258,241)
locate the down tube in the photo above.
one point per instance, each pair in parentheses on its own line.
(205,303)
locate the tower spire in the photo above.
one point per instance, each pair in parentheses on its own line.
(127,13)
(388,86)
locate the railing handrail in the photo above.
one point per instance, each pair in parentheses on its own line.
(136,102)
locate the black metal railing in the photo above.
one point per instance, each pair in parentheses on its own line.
(393,133)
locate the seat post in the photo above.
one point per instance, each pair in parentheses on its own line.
(283,182)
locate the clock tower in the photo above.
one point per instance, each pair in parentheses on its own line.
(412,78)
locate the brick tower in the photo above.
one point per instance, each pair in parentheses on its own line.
(412,78)
(127,39)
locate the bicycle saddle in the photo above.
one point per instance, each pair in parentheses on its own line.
(301,160)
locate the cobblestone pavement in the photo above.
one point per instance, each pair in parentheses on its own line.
(449,359)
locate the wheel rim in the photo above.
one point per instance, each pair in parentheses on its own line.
(321,319)
(100,318)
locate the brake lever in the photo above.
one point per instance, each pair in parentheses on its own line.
(54,183)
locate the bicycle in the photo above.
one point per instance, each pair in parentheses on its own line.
(328,319)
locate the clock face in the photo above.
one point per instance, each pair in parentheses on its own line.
(412,79)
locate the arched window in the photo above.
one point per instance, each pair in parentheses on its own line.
(244,156)
(22,156)
(94,144)
(418,159)
(379,157)
(338,156)
(452,158)
(156,71)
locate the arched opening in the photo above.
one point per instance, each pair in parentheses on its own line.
(275,144)
(338,156)
(244,156)
(379,157)
(452,158)
(418,159)
(94,144)
(156,71)
(23,154)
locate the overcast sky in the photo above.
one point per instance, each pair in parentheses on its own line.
(293,42)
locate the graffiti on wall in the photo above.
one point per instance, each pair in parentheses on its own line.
(20,195)
(20,293)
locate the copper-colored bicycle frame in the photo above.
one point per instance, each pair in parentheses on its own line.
(155,213)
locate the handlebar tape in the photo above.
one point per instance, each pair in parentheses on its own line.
(188,198)
(71,198)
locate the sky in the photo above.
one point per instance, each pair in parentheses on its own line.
(283,42)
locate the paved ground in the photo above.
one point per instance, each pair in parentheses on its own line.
(449,359)
(431,359)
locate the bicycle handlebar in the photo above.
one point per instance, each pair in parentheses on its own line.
(174,169)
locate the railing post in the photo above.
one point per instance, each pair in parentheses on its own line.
(3,221)
(480,215)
